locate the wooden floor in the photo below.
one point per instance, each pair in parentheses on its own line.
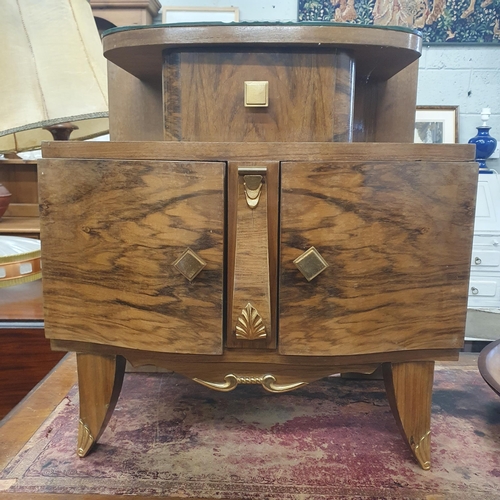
(22,422)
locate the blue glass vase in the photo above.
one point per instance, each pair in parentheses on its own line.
(485,145)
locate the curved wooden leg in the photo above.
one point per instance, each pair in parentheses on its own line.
(99,384)
(409,390)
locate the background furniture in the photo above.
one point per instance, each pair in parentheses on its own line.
(271,235)
(26,355)
(484,289)
(20,178)
(489,365)
(119,13)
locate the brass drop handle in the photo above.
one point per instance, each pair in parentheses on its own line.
(253,188)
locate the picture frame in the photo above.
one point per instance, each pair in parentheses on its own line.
(200,14)
(436,125)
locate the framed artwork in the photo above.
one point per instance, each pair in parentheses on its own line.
(439,21)
(436,124)
(200,14)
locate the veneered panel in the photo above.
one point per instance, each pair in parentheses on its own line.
(397,237)
(111,231)
(310,96)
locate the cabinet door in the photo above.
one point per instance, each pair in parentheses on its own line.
(112,235)
(396,238)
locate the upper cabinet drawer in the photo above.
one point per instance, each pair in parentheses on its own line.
(309,95)
(123,242)
(394,253)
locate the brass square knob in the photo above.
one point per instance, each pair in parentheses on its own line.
(189,264)
(256,94)
(310,263)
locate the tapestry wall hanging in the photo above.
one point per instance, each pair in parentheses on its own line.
(440,21)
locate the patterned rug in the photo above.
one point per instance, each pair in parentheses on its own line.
(333,439)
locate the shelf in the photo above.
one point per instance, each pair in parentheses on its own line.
(20,226)
(379,53)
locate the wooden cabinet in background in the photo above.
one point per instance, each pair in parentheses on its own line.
(484,288)
(25,355)
(21,218)
(271,238)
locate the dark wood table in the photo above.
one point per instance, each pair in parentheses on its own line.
(25,356)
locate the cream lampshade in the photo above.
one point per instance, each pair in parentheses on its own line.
(53,71)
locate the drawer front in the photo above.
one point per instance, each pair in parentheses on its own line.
(484,258)
(484,292)
(112,236)
(483,288)
(487,204)
(493,242)
(396,238)
(310,96)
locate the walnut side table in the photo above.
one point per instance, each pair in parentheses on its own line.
(271,224)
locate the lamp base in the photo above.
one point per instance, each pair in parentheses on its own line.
(61,131)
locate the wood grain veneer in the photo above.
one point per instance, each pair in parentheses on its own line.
(409,390)
(252,255)
(392,219)
(135,107)
(139,51)
(111,233)
(397,238)
(385,111)
(266,358)
(301,151)
(97,401)
(310,96)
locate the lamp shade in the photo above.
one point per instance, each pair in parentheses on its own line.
(53,71)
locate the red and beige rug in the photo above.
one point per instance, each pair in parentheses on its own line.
(333,439)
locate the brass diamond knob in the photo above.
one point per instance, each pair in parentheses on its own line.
(310,263)
(189,264)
